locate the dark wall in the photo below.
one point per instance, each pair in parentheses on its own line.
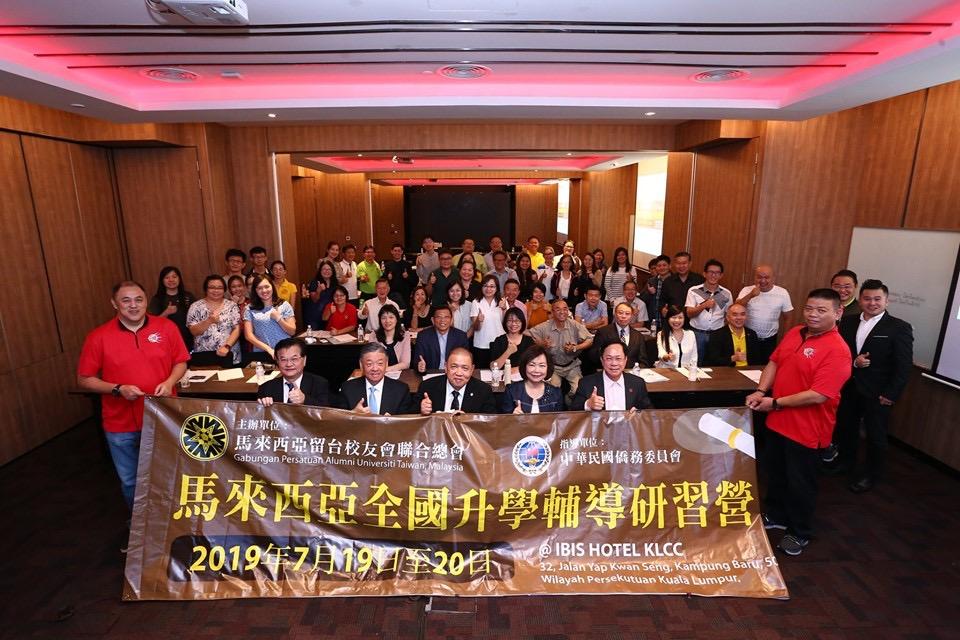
(450,214)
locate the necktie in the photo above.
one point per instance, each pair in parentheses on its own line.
(455,402)
(623,335)
(372,400)
(289,389)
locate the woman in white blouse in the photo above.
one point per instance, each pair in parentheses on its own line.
(214,322)
(460,307)
(674,343)
(487,320)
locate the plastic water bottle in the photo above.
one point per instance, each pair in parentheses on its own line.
(310,331)
(360,334)
(506,372)
(692,371)
(260,373)
(636,369)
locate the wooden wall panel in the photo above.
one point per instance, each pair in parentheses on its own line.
(47,409)
(676,206)
(58,221)
(343,209)
(695,134)
(412,136)
(213,152)
(536,213)
(924,419)
(162,211)
(612,199)
(288,221)
(252,173)
(935,191)
(723,209)
(305,217)
(388,218)
(26,309)
(13,437)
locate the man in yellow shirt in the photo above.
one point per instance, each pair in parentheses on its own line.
(533,249)
(286,290)
(734,344)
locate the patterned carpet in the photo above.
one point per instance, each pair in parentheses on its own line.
(883,566)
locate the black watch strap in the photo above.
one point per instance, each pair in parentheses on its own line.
(116,390)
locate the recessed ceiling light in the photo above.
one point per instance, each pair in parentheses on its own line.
(719,75)
(650,113)
(464,71)
(359,155)
(569,153)
(271,115)
(170,74)
(78,105)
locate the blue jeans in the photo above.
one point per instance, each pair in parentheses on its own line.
(125,451)
(703,337)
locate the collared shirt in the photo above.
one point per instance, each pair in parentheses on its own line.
(442,341)
(866,326)
(372,308)
(712,318)
(449,397)
(571,332)
(503,276)
(536,259)
(739,345)
(286,387)
(638,306)
(375,389)
(588,314)
(764,310)
(614,394)
(427,263)
(351,284)
(623,333)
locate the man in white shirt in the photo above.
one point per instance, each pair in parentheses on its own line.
(612,389)
(370,310)
(496,244)
(630,298)
(511,291)
(766,304)
(348,271)
(707,304)
(500,270)
(428,261)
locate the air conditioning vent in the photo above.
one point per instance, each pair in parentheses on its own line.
(463,71)
(170,74)
(720,75)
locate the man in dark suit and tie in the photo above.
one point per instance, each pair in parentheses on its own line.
(373,392)
(434,345)
(620,331)
(882,350)
(734,344)
(294,385)
(612,389)
(458,390)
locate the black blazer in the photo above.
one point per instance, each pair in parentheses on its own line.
(720,347)
(395,398)
(552,399)
(636,351)
(314,387)
(890,345)
(477,395)
(428,346)
(635,391)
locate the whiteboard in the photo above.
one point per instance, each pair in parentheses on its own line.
(917,266)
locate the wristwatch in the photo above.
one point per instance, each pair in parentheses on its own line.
(115,392)
(776,405)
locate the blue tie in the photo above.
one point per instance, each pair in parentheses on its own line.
(372,400)
(289,389)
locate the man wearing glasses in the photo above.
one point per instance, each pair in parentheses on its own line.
(844,282)
(707,304)
(294,385)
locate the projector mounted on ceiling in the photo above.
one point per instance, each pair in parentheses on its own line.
(209,12)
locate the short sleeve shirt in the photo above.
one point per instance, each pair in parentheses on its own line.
(217,334)
(144,358)
(588,315)
(822,363)
(572,331)
(763,311)
(713,318)
(266,328)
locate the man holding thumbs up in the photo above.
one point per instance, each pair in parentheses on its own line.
(613,389)
(294,385)
(373,393)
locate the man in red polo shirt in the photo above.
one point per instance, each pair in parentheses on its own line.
(130,356)
(800,388)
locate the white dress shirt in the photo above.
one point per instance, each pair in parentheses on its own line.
(866,326)
(449,397)
(614,394)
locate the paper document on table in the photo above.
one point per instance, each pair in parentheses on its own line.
(266,376)
(427,376)
(229,374)
(393,375)
(650,375)
(753,374)
(701,373)
(343,338)
(199,376)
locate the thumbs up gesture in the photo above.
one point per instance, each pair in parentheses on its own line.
(862,360)
(426,405)
(421,365)
(594,402)
(296,396)
(518,410)
(361,407)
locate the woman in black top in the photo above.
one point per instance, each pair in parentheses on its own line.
(417,315)
(533,394)
(514,342)
(526,276)
(172,301)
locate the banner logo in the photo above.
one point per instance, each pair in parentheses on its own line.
(204,437)
(531,456)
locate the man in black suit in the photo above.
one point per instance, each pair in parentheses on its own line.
(374,393)
(458,390)
(723,349)
(434,345)
(294,385)
(621,331)
(882,350)
(612,389)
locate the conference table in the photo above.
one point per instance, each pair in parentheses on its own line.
(725,386)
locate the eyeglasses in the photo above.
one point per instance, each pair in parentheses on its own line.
(714,273)
(290,360)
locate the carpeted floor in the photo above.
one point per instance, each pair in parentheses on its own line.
(884,566)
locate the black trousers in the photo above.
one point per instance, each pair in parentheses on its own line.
(856,408)
(791,483)
(764,349)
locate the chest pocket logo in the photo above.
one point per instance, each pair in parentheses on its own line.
(154,338)
(809,352)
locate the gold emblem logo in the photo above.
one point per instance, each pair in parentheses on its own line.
(204,436)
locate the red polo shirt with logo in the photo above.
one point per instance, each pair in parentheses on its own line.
(143,358)
(821,363)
